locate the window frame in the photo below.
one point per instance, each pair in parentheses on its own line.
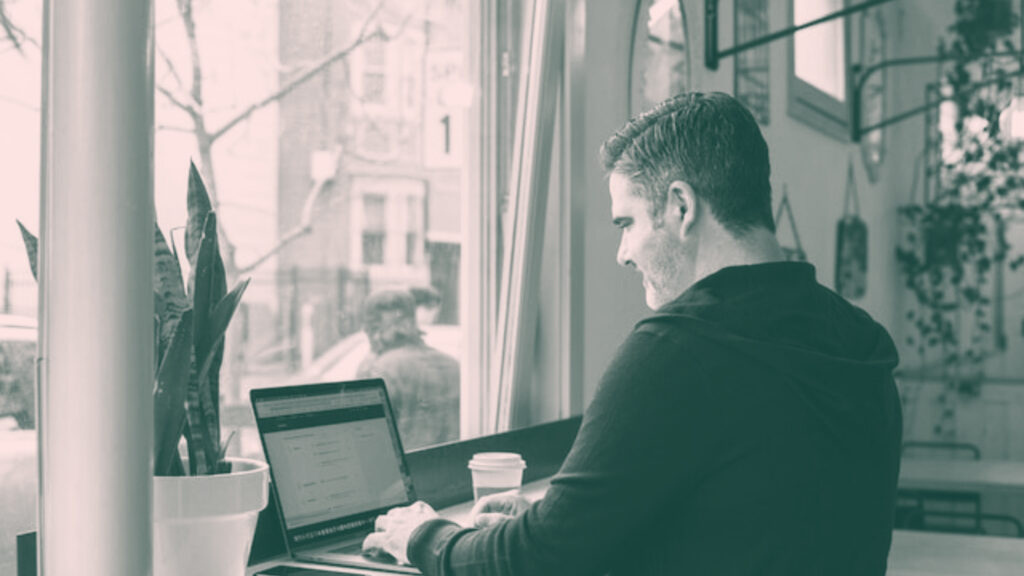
(809,104)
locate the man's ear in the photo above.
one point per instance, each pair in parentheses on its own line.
(682,206)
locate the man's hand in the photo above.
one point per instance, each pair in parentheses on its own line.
(496,508)
(394,529)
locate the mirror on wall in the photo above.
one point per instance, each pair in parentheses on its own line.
(660,63)
(752,67)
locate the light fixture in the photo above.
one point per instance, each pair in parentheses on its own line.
(1011,120)
(712,54)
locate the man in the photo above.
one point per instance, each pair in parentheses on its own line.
(422,381)
(750,426)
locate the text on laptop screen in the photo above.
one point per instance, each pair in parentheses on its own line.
(333,457)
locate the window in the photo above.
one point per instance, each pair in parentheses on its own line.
(818,68)
(374,228)
(413,227)
(274,140)
(374,84)
(301,207)
(19,163)
(407,206)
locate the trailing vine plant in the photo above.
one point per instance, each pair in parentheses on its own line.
(954,240)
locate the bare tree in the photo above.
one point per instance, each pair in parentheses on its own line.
(186,93)
(13,33)
(189,98)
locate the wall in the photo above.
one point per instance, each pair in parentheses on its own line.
(812,164)
(613,296)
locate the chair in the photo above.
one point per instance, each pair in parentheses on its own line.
(912,505)
(966,523)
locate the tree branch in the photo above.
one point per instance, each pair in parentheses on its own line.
(305,226)
(189,108)
(185,9)
(302,78)
(10,30)
(171,128)
(16,35)
(171,67)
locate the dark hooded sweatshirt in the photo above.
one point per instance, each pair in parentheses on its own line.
(750,427)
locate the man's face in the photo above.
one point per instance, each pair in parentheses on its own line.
(654,248)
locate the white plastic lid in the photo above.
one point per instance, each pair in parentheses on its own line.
(497,461)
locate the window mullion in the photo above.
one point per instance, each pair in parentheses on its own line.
(530,174)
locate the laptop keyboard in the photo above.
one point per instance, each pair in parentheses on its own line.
(353,548)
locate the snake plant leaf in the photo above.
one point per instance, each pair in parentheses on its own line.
(207,416)
(210,284)
(169,396)
(198,207)
(210,288)
(222,466)
(218,325)
(32,248)
(196,429)
(170,300)
(210,420)
(158,352)
(177,467)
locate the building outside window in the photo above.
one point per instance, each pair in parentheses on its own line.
(374,228)
(271,114)
(414,230)
(374,85)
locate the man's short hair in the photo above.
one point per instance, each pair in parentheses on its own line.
(389,320)
(425,296)
(708,140)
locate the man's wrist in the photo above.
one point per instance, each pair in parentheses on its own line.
(429,543)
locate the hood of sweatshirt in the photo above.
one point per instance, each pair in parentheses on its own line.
(774,322)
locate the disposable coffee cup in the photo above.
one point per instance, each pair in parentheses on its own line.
(496,472)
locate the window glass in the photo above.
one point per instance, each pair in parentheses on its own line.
(373,87)
(20,69)
(354,177)
(374,228)
(819,51)
(414,228)
(310,182)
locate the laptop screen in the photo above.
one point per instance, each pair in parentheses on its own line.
(334,455)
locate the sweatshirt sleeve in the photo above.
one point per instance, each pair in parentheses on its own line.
(642,443)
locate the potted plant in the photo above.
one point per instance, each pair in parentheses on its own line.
(205,504)
(956,238)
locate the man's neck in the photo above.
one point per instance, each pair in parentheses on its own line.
(723,250)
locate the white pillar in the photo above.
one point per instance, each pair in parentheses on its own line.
(96,290)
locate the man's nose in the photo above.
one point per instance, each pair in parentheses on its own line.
(622,257)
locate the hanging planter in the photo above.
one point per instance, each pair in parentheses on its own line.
(851,246)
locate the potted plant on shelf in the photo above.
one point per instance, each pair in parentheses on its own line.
(205,504)
(955,241)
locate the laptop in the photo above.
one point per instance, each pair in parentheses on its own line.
(337,463)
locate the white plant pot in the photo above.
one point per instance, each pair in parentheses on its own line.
(203,525)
